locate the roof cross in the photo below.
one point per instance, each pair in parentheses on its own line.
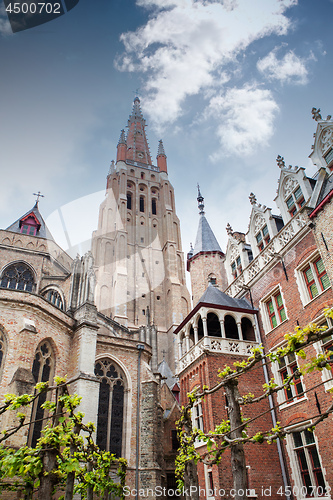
(39,195)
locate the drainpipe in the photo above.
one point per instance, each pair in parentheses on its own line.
(140,347)
(284,471)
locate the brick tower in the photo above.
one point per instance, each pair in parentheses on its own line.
(137,246)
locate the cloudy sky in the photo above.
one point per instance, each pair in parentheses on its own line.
(227,84)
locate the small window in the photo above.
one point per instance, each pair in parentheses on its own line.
(287,367)
(129,201)
(142,204)
(142,175)
(274,311)
(236,267)
(153,206)
(295,201)
(316,278)
(329,156)
(263,238)
(197,416)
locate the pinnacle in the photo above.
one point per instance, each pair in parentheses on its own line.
(160,150)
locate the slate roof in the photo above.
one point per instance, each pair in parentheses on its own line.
(43,231)
(326,189)
(214,296)
(205,240)
(165,370)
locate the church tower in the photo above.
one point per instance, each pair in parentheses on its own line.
(205,261)
(137,247)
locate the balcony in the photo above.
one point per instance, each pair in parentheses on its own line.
(216,345)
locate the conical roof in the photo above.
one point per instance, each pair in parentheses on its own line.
(42,229)
(205,240)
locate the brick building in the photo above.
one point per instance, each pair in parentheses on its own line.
(278,276)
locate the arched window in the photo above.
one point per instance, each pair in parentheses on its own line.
(3,349)
(142,204)
(129,201)
(54,297)
(200,329)
(110,406)
(18,276)
(213,325)
(42,371)
(231,330)
(153,206)
(248,330)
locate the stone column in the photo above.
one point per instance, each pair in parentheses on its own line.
(196,337)
(205,330)
(187,341)
(222,328)
(239,326)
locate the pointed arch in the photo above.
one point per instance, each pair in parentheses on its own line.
(43,369)
(110,417)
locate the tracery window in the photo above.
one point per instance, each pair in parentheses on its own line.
(54,297)
(110,406)
(3,349)
(18,276)
(42,371)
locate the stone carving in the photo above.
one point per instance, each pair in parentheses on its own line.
(289,185)
(234,253)
(326,139)
(316,114)
(280,161)
(259,222)
(229,229)
(253,199)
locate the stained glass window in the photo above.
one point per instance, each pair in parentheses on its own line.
(42,371)
(110,406)
(18,276)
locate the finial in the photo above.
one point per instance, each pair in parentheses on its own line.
(253,199)
(229,229)
(316,114)
(122,138)
(39,195)
(328,117)
(160,150)
(200,199)
(280,161)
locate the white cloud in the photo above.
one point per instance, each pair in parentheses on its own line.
(246,118)
(290,68)
(5,28)
(186,44)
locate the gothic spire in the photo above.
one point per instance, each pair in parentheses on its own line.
(137,144)
(200,199)
(160,150)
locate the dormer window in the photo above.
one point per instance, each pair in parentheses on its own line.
(29,226)
(263,238)
(295,201)
(236,267)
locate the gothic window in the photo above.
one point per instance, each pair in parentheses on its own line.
(42,371)
(3,349)
(110,406)
(142,204)
(54,297)
(295,201)
(153,206)
(129,201)
(18,276)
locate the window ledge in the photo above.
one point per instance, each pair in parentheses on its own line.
(286,404)
(316,297)
(277,326)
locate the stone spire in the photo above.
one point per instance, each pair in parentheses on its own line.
(200,199)
(137,144)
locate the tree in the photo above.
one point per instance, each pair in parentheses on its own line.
(233,433)
(63,459)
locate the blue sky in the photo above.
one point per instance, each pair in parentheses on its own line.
(228,85)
